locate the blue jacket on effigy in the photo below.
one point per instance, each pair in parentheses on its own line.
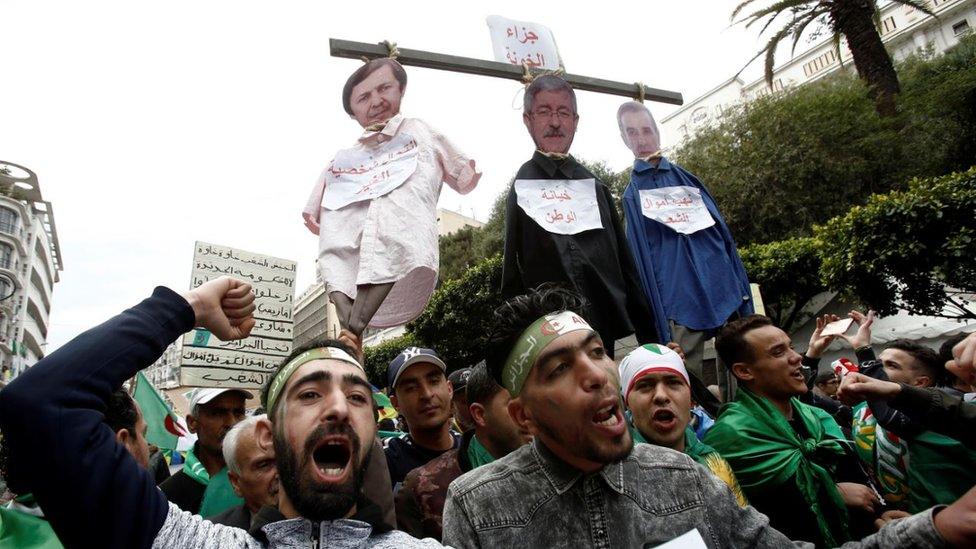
(697,279)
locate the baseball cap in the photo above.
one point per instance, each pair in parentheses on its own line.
(408,357)
(203,395)
(459,379)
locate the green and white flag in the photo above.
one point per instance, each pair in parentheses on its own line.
(163,426)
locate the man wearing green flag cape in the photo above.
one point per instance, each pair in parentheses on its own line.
(791,459)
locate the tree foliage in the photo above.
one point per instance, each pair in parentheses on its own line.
(378,357)
(909,249)
(938,106)
(781,163)
(856,20)
(463,249)
(788,274)
(456,319)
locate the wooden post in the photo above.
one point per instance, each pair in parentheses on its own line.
(468,65)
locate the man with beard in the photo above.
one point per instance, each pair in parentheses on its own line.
(657,390)
(201,486)
(561,225)
(420,503)
(252,472)
(582,482)
(319,407)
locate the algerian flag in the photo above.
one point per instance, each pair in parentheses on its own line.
(386,409)
(163,427)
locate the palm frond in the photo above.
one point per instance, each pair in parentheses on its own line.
(836,40)
(739,8)
(798,31)
(778,8)
(920,5)
(771,52)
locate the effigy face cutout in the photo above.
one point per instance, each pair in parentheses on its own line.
(638,129)
(377,90)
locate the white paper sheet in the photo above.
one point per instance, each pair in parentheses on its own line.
(523,42)
(680,208)
(689,540)
(361,173)
(560,206)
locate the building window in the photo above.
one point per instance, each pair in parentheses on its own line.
(6,288)
(6,256)
(888,25)
(9,221)
(960,27)
(820,63)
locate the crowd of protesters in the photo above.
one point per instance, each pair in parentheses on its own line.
(547,442)
(564,446)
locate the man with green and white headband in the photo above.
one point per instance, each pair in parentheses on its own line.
(320,423)
(202,486)
(582,482)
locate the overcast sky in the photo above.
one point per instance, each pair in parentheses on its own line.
(155,124)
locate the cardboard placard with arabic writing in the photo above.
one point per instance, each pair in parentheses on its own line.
(523,43)
(364,173)
(206,361)
(560,206)
(680,208)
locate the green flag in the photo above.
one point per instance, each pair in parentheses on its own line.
(163,428)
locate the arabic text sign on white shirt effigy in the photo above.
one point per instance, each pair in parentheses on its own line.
(364,173)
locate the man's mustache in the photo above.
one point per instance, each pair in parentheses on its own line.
(555,132)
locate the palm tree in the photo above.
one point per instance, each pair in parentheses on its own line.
(854,19)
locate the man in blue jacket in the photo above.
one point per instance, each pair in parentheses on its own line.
(93,492)
(688,263)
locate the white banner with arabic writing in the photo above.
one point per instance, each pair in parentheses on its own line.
(680,208)
(362,173)
(560,206)
(523,42)
(206,361)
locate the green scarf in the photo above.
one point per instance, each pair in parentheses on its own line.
(26,531)
(477,454)
(696,449)
(219,495)
(765,451)
(942,470)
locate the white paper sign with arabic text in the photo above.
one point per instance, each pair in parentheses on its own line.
(523,43)
(205,360)
(680,208)
(364,173)
(560,206)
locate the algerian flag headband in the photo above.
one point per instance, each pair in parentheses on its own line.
(285,373)
(530,344)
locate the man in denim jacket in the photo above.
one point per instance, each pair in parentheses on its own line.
(583,483)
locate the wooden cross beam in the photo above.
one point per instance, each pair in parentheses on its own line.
(468,65)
